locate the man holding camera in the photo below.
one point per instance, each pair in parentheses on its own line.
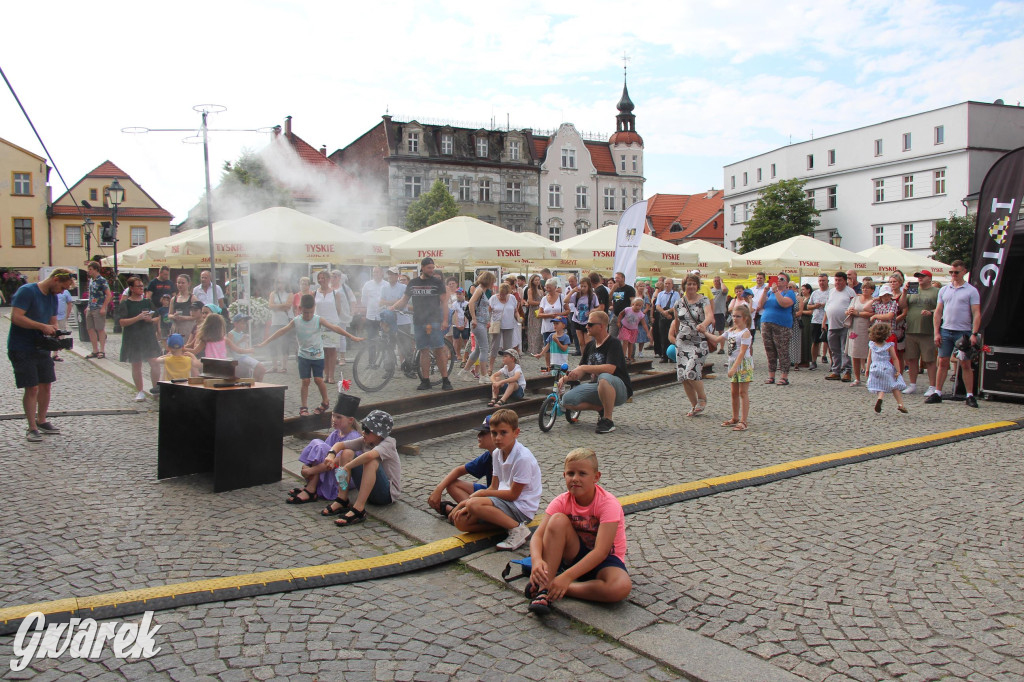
(33,318)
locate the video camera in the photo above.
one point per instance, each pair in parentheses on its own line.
(965,350)
(55,343)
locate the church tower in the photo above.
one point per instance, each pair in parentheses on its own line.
(627,146)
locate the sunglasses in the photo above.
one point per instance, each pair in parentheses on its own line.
(593,324)
(955,272)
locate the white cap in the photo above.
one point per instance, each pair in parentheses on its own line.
(885,289)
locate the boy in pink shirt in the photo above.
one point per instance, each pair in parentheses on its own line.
(579,550)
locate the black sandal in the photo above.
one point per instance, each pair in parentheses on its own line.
(540,604)
(351,517)
(494,401)
(446,507)
(328,511)
(295,499)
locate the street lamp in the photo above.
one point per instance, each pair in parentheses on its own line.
(115,195)
(835,239)
(87,228)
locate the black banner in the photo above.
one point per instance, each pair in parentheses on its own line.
(998,205)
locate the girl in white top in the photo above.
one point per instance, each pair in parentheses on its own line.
(741,365)
(551,306)
(504,307)
(328,309)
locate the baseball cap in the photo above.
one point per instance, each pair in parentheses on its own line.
(238,317)
(485,427)
(923,273)
(512,353)
(560,319)
(175,341)
(393,270)
(426,261)
(460,290)
(885,289)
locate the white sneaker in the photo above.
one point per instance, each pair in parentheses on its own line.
(140,397)
(485,380)
(911,388)
(931,389)
(516,537)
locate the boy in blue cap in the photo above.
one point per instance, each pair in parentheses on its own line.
(479,468)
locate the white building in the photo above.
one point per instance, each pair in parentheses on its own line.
(886,183)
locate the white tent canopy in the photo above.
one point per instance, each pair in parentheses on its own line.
(470,241)
(596,249)
(890,259)
(801,256)
(387,233)
(711,258)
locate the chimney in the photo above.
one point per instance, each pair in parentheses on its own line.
(287,125)
(323,150)
(277,131)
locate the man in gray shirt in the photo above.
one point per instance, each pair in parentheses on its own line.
(719,304)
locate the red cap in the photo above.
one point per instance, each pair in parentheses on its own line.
(923,273)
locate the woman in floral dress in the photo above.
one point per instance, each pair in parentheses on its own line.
(692,317)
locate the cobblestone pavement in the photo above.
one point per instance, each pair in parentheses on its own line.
(904,567)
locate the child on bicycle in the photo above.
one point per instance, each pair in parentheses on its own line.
(558,344)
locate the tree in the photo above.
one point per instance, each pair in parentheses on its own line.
(782,211)
(246,186)
(436,205)
(954,238)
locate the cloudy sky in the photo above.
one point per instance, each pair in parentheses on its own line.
(713,82)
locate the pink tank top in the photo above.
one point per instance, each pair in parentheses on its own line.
(216,349)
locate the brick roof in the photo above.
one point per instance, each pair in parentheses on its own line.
(106,170)
(626,137)
(694,213)
(540,147)
(100,212)
(601,156)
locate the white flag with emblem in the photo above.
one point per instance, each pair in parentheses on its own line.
(627,240)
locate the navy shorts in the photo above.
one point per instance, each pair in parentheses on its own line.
(460,333)
(31,368)
(309,369)
(381,493)
(610,560)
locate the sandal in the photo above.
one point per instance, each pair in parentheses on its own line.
(329,510)
(770,380)
(693,412)
(731,422)
(310,497)
(446,508)
(499,403)
(57,358)
(902,409)
(740,426)
(90,356)
(700,407)
(878,405)
(782,382)
(351,517)
(101,356)
(540,604)
(303,411)
(322,408)
(492,403)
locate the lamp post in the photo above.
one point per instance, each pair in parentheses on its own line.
(115,195)
(835,239)
(87,228)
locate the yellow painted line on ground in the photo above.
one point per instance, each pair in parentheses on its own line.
(455,542)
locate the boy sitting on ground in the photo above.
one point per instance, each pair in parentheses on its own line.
(509,378)
(511,500)
(377,472)
(478,468)
(579,550)
(320,480)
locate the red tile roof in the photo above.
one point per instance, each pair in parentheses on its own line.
(601,156)
(540,147)
(99,212)
(626,137)
(695,214)
(307,153)
(106,170)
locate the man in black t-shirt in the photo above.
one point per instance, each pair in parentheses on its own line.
(429,321)
(622,296)
(604,361)
(160,287)
(601,290)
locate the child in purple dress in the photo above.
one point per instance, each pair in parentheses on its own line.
(321,482)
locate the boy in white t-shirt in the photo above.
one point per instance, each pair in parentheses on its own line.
(509,378)
(558,343)
(512,498)
(579,549)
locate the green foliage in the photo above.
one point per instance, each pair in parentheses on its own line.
(436,205)
(954,238)
(782,211)
(246,186)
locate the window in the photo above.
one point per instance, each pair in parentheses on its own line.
(412,143)
(831,157)
(481,147)
(554,232)
(831,199)
(413,186)
(513,191)
(908,236)
(623,198)
(513,150)
(878,147)
(635,165)
(940,181)
(732,182)
(92,194)
(906,142)
(465,189)
(22,183)
(485,191)
(744,178)
(759,175)
(106,197)
(908,186)
(447,184)
(447,143)
(23,232)
(636,194)
(554,196)
(581,198)
(568,158)
(138,236)
(773,171)
(623,162)
(809,195)
(879,235)
(676,227)
(810,162)
(748,210)
(940,134)
(72,235)
(582,226)
(879,191)
(609,198)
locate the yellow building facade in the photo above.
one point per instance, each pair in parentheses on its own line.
(24,198)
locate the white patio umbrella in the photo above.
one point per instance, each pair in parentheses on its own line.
(711,258)
(285,235)
(800,255)
(464,240)
(152,254)
(596,249)
(387,233)
(891,259)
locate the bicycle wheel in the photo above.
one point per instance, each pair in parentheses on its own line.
(374,366)
(435,370)
(572,416)
(546,418)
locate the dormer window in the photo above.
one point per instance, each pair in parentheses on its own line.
(513,150)
(481,147)
(412,142)
(447,143)
(676,227)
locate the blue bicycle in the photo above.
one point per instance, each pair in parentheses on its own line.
(552,406)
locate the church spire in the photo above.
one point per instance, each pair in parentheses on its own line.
(625,120)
